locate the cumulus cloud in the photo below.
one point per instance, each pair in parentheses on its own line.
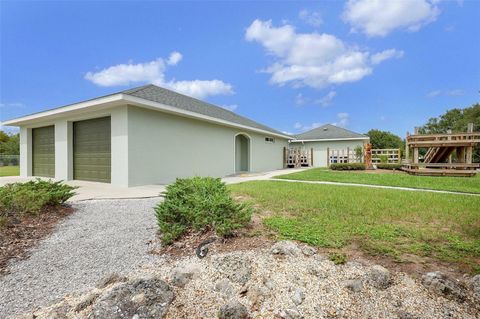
(154,72)
(381,17)
(342,119)
(174,58)
(309,59)
(313,18)
(385,55)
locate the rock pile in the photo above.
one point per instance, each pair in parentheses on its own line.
(287,281)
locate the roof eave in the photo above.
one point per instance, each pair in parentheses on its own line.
(331,139)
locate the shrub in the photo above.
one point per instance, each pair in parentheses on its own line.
(199,204)
(389,166)
(348,166)
(383,159)
(32,196)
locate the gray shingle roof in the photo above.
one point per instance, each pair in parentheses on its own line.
(328,131)
(160,95)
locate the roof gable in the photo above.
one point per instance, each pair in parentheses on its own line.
(329,132)
(164,96)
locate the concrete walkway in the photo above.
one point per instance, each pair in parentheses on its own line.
(374,186)
(94,190)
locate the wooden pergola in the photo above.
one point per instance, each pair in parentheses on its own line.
(438,161)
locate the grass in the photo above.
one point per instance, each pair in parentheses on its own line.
(383,222)
(9,171)
(459,184)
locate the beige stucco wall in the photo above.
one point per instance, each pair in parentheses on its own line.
(320,149)
(162,147)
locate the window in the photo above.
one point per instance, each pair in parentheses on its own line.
(269,140)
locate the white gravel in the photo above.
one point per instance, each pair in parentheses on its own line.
(100,238)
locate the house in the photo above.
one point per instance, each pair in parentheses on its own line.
(141,136)
(151,135)
(330,144)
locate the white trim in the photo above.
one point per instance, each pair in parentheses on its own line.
(235,151)
(69,108)
(119,97)
(170,109)
(331,139)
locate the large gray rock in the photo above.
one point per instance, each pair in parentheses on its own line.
(440,284)
(379,277)
(298,296)
(182,275)
(233,310)
(355,285)
(145,298)
(285,247)
(235,267)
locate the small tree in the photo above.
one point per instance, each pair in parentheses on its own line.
(359,153)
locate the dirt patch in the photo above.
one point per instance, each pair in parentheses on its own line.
(20,233)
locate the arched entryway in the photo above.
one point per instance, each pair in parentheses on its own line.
(242,153)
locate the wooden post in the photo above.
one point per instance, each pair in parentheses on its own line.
(407,148)
(328,156)
(348,154)
(285,157)
(469,149)
(415,155)
(311,157)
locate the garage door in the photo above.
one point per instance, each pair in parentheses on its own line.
(43,151)
(91,150)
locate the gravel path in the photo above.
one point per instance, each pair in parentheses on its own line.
(102,237)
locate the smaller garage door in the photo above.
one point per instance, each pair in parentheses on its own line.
(43,151)
(92,149)
(319,157)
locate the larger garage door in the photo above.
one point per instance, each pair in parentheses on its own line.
(43,151)
(91,150)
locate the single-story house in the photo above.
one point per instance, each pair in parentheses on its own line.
(146,135)
(330,144)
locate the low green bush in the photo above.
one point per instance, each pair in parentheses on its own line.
(389,166)
(348,166)
(32,196)
(199,204)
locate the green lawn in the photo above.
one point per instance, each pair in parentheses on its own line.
(387,222)
(459,184)
(9,171)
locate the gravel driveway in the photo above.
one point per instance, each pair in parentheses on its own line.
(102,237)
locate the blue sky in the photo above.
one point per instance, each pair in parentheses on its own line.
(292,65)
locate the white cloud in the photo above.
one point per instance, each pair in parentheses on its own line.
(309,59)
(174,58)
(380,17)
(154,72)
(385,55)
(231,107)
(343,119)
(455,92)
(327,99)
(307,127)
(313,18)
(199,88)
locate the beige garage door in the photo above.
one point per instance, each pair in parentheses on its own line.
(43,151)
(92,150)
